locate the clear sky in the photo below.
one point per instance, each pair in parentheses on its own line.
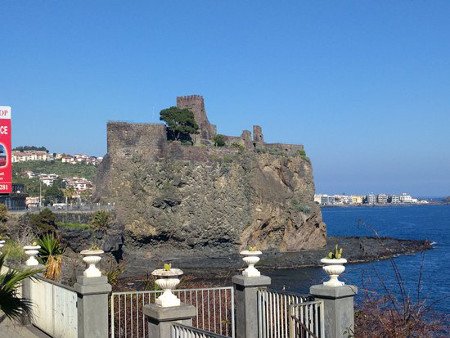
(365,85)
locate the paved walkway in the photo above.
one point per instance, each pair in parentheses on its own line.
(13,329)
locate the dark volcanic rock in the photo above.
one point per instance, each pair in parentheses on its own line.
(191,200)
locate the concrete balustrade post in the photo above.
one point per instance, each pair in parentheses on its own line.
(160,319)
(247,304)
(339,309)
(26,293)
(92,304)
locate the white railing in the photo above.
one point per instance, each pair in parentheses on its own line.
(215,310)
(183,331)
(54,308)
(306,320)
(273,312)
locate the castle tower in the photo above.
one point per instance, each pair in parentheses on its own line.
(197,105)
(257,134)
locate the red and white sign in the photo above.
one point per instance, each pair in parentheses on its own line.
(5,150)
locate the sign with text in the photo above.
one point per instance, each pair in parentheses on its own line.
(5,150)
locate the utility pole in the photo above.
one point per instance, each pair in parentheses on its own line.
(40,193)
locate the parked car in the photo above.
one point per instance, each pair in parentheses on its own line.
(59,206)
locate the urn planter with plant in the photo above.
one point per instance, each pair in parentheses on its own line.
(91,257)
(251,257)
(334,266)
(167,279)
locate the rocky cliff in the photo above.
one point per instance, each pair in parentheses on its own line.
(175,199)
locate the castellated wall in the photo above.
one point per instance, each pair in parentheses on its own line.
(288,149)
(127,139)
(196,104)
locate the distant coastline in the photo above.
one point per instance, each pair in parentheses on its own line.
(387,205)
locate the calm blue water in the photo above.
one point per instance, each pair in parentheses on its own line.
(412,222)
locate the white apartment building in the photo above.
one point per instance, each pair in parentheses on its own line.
(48,179)
(406,198)
(382,198)
(395,199)
(32,155)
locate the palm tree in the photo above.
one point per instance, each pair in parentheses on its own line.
(69,193)
(11,305)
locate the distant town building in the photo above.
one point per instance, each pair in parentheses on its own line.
(79,183)
(371,199)
(394,199)
(382,198)
(356,199)
(30,155)
(48,179)
(406,198)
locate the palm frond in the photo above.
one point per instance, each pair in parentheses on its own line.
(11,304)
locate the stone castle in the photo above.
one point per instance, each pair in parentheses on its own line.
(155,135)
(179,200)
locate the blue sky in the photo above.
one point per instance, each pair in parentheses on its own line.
(365,85)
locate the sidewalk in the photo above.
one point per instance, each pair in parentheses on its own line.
(13,329)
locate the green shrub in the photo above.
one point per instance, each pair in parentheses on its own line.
(13,251)
(219,140)
(113,272)
(3,213)
(45,221)
(238,146)
(302,154)
(100,219)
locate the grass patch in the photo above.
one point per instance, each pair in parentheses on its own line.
(74,226)
(13,251)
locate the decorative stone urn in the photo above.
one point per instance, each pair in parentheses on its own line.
(92,257)
(31,251)
(167,280)
(333,267)
(251,258)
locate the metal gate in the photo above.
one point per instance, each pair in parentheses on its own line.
(273,312)
(215,310)
(306,320)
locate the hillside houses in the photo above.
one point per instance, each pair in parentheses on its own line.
(40,155)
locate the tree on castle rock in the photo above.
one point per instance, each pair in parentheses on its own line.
(180,123)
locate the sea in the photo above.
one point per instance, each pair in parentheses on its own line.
(424,275)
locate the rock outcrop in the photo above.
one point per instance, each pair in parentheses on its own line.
(176,199)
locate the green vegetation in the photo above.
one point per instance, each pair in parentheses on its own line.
(180,122)
(87,171)
(100,219)
(167,266)
(53,194)
(336,254)
(3,213)
(74,226)
(238,146)
(50,254)
(11,304)
(63,170)
(302,154)
(32,148)
(13,251)
(44,221)
(219,140)
(113,272)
